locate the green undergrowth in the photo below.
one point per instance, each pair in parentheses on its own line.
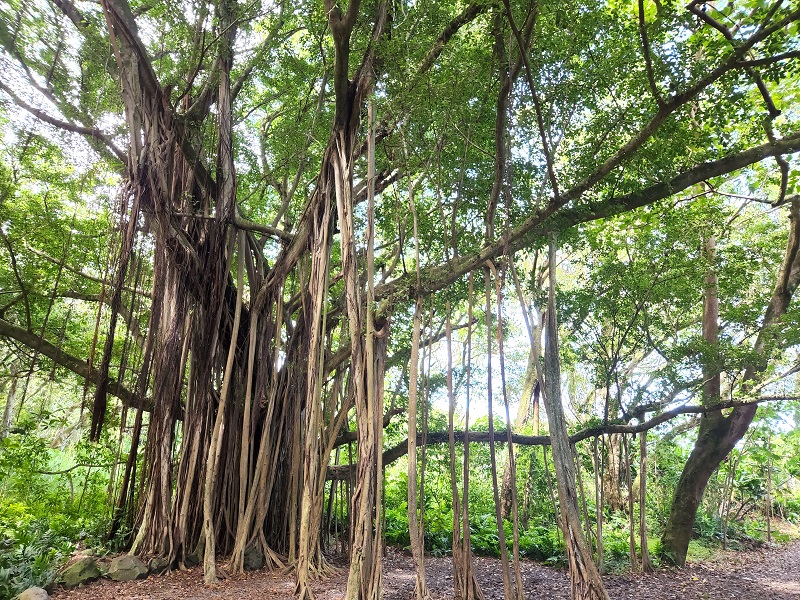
(545,543)
(50,503)
(31,552)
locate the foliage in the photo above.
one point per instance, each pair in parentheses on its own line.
(31,551)
(600,152)
(47,509)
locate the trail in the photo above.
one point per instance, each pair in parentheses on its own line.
(765,574)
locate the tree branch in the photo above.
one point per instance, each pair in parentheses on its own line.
(648,61)
(551,218)
(92,132)
(61,358)
(441,437)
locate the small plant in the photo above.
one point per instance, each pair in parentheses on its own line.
(30,556)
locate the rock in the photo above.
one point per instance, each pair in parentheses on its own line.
(157,565)
(34,593)
(127,568)
(81,571)
(192,560)
(253,558)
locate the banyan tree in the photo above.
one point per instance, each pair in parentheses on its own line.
(302,189)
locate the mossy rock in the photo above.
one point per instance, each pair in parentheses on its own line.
(253,558)
(79,572)
(157,565)
(192,560)
(127,568)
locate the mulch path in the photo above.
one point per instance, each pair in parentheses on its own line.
(764,574)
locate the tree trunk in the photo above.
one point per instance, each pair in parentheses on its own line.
(508,592)
(11,398)
(524,415)
(585,582)
(626,449)
(512,468)
(415,525)
(215,446)
(470,588)
(598,499)
(612,474)
(718,434)
(309,555)
(647,565)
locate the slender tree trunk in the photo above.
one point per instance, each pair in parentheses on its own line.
(585,582)
(584,506)
(598,498)
(11,398)
(501,534)
(647,565)
(472,589)
(415,525)
(524,414)
(512,466)
(626,449)
(459,582)
(768,498)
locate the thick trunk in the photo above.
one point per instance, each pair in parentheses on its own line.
(309,556)
(713,444)
(154,535)
(612,475)
(719,434)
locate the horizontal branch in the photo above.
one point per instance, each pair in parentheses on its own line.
(352,436)
(72,468)
(92,132)
(555,218)
(63,359)
(61,263)
(769,60)
(242,223)
(340,472)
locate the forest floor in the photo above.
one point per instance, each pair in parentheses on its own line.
(769,573)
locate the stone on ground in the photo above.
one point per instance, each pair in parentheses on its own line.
(81,571)
(34,593)
(127,568)
(192,560)
(157,565)
(253,558)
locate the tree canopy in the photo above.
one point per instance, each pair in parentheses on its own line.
(232,225)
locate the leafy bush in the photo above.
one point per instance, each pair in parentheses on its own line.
(791,509)
(483,535)
(543,544)
(49,501)
(30,555)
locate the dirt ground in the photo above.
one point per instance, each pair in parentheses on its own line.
(766,574)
